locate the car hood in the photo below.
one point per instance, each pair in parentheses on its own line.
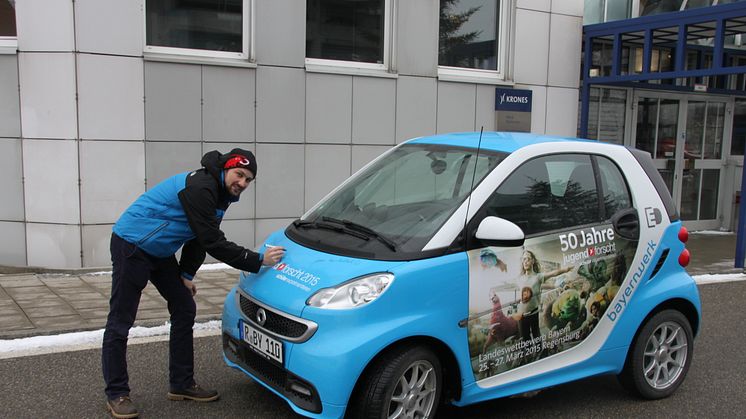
(302,272)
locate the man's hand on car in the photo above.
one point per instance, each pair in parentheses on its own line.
(273,255)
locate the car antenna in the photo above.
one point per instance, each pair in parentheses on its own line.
(473,177)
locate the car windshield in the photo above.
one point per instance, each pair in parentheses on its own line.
(398,203)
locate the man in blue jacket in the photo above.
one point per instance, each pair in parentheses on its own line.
(183,210)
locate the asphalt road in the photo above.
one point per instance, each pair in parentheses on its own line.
(70,384)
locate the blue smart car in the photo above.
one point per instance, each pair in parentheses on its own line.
(464,267)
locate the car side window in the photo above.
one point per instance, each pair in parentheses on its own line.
(548,193)
(613,186)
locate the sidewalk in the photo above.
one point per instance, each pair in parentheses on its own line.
(40,304)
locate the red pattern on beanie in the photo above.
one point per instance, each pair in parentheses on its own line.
(237,160)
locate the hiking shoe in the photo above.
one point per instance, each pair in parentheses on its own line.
(122,407)
(195,392)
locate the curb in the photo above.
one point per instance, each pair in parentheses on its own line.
(20,334)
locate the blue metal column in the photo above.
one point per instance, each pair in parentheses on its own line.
(585,93)
(647,51)
(741,228)
(616,55)
(680,49)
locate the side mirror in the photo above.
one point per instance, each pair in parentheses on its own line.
(496,231)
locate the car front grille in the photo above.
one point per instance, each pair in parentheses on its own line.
(275,323)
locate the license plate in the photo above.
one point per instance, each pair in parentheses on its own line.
(267,346)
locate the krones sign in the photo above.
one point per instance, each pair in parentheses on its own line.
(512,110)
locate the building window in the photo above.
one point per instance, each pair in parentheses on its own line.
(351,33)
(738,135)
(8,39)
(473,38)
(600,11)
(208,28)
(607,115)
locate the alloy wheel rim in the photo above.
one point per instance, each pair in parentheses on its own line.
(414,394)
(665,355)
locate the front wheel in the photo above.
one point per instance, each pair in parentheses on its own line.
(659,357)
(403,383)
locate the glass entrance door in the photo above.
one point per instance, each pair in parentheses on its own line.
(656,132)
(685,136)
(703,150)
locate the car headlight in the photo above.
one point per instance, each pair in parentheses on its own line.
(353,293)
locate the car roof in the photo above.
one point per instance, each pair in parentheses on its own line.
(507,142)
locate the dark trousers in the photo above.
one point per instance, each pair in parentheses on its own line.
(132,269)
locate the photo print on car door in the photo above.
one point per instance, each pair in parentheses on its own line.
(527,303)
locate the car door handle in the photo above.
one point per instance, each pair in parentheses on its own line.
(626,223)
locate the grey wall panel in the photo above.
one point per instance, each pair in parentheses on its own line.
(245,206)
(328,108)
(532,36)
(240,232)
(96,239)
(165,159)
(10,112)
(538,107)
(172,102)
(266,227)
(570,7)
(416,107)
(456,107)
(281,103)
(228,103)
(47,86)
(541,5)
(44,25)
(104,164)
(109,26)
(485,109)
(110,97)
(566,34)
(281,32)
(417,38)
(279,186)
(11,180)
(326,167)
(13,250)
(53,245)
(51,192)
(364,154)
(373,110)
(561,118)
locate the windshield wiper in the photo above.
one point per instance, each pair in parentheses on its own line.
(329,226)
(363,229)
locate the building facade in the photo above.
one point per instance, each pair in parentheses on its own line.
(668,77)
(102,99)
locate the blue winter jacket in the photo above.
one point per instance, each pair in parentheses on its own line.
(186,210)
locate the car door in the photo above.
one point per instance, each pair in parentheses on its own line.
(544,298)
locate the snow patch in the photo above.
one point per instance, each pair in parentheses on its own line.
(717,278)
(712,233)
(78,341)
(206,267)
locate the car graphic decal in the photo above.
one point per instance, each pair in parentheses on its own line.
(527,303)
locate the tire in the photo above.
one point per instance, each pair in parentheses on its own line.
(660,356)
(404,383)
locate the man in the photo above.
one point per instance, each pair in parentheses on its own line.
(183,210)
